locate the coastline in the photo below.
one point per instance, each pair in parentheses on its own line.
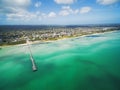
(42,41)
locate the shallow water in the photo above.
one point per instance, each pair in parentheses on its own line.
(83,63)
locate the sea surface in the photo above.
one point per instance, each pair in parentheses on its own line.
(89,62)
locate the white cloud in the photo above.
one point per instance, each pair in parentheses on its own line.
(76,11)
(17,10)
(38,4)
(43,15)
(15,3)
(13,6)
(26,16)
(67,10)
(52,14)
(64,1)
(107,2)
(85,10)
(64,13)
(22,15)
(66,7)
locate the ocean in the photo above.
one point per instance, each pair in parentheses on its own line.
(90,62)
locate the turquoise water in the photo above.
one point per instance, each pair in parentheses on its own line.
(83,63)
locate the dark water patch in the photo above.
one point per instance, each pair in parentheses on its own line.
(85,62)
(104,82)
(100,83)
(4,58)
(115,81)
(16,60)
(46,67)
(91,63)
(92,36)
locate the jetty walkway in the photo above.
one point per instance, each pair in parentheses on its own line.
(34,68)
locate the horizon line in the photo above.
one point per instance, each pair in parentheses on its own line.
(56,24)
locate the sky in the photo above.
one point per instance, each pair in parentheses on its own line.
(59,12)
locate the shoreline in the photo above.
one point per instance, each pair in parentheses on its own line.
(42,41)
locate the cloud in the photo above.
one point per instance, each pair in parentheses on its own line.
(38,4)
(67,10)
(64,13)
(64,1)
(85,10)
(17,10)
(52,14)
(76,11)
(44,15)
(107,2)
(13,6)
(23,16)
(15,3)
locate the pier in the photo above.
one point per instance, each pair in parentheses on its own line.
(34,68)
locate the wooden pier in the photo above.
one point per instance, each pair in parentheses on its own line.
(34,68)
